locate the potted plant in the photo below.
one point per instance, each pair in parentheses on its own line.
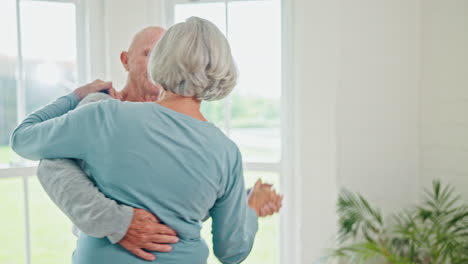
(434,232)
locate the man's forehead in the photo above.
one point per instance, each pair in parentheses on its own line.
(145,37)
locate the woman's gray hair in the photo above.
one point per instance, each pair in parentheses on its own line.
(194,59)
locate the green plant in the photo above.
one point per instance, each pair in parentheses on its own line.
(434,232)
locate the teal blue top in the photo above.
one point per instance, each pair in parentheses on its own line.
(151,157)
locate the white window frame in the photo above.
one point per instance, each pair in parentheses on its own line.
(290,223)
(21,170)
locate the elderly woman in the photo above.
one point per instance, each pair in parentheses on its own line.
(162,157)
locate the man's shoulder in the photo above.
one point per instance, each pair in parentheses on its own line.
(94,97)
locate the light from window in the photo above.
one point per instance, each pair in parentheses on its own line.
(12,227)
(49,51)
(8,51)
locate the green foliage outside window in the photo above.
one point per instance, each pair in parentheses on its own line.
(246,112)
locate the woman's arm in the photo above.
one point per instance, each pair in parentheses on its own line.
(234,223)
(56,132)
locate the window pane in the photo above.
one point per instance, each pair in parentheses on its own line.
(49,51)
(12,244)
(8,51)
(52,241)
(256,45)
(266,247)
(214,112)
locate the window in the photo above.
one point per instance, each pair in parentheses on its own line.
(38,63)
(251,114)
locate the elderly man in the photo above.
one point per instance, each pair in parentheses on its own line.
(69,186)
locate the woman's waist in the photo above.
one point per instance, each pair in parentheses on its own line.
(92,250)
(188,225)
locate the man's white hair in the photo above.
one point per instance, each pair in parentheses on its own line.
(194,59)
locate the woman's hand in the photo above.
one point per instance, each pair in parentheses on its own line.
(94,87)
(264,199)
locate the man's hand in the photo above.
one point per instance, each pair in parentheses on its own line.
(94,87)
(264,199)
(146,232)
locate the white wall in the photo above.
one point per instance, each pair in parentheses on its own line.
(444,93)
(377,100)
(395,73)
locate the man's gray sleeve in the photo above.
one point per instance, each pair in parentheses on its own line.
(75,194)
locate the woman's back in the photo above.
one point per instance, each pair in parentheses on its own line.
(165,162)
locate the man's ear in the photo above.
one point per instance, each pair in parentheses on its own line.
(124,59)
